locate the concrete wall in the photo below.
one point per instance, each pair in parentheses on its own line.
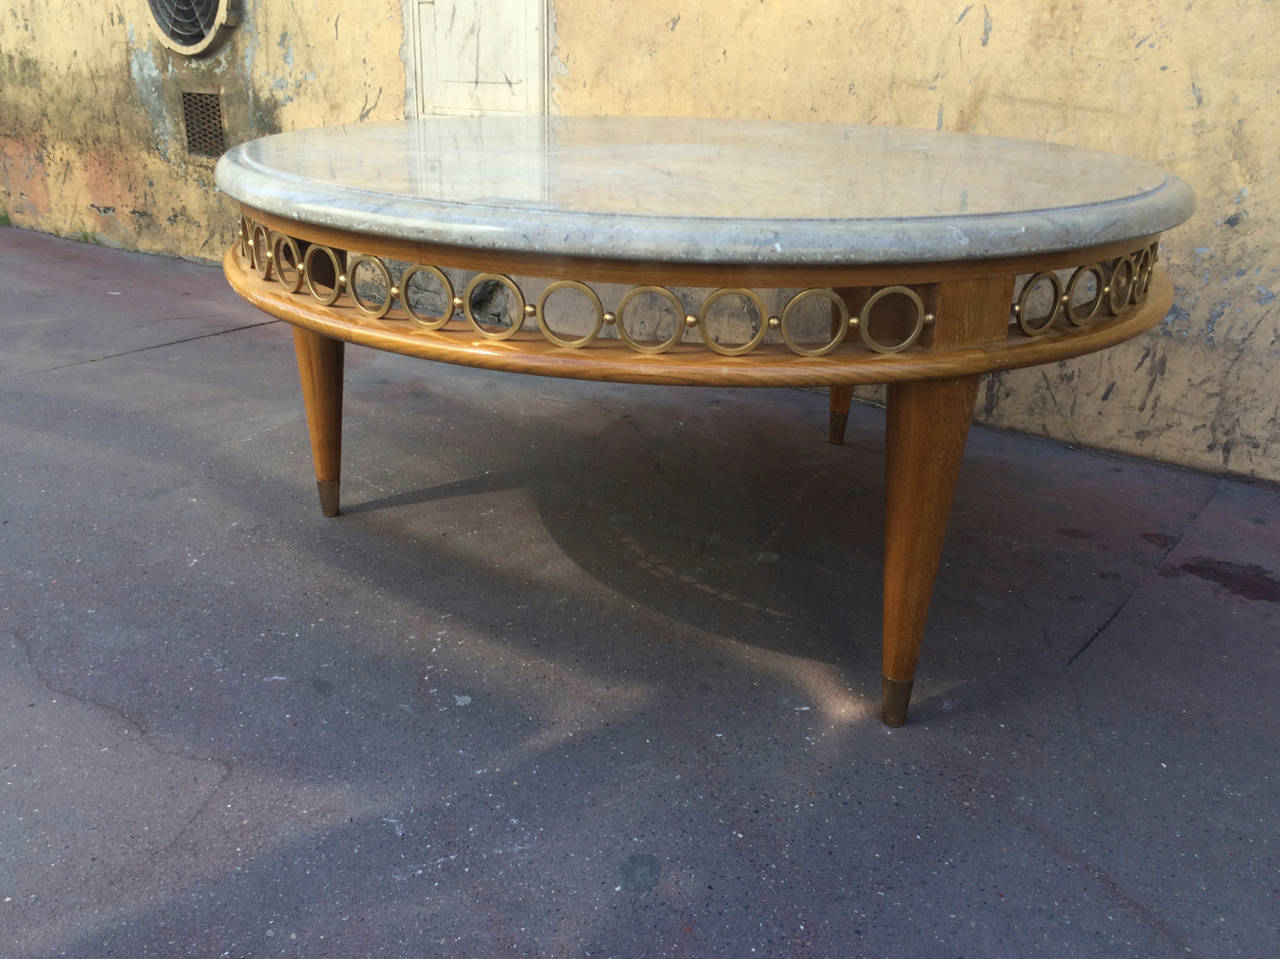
(92,143)
(1190,85)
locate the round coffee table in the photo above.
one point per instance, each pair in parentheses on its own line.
(699,252)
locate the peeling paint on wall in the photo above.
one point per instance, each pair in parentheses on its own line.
(92,141)
(149,84)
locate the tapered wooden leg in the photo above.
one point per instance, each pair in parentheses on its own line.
(841,400)
(928,423)
(320,369)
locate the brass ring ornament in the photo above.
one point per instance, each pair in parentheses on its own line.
(1043,324)
(752,297)
(1119,284)
(864,320)
(1142,275)
(286,265)
(1120,290)
(426,321)
(375,310)
(837,336)
(309,271)
(242,237)
(1099,296)
(516,322)
(262,252)
(639,345)
(556,338)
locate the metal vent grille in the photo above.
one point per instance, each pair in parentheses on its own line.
(202,116)
(189,26)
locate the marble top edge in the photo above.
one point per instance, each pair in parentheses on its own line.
(706,191)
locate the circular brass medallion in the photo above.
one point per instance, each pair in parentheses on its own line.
(545,326)
(288,262)
(326,298)
(1038,326)
(841,325)
(641,345)
(1122,275)
(425,320)
(864,320)
(262,251)
(1070,309)
(517,318)
(382,279)
(752,297)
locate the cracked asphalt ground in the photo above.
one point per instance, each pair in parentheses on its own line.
(590,670)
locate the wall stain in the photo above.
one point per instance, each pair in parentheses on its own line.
(1177,321)
(991,394)
(1157,369)
(1211,321)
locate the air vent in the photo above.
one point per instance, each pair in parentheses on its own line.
(191,26)
(202,116)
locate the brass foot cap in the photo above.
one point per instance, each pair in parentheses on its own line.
(835,432)
(328,496)
(894,696)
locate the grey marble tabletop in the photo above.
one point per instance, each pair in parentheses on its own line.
(704,191)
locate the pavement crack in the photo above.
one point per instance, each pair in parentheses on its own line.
(1147,914)
(144,349)
(142,731)
(223,772)
(24,647)
(1101,629)
(1213,492)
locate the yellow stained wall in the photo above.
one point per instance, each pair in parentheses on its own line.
(92,143)
(1190,85)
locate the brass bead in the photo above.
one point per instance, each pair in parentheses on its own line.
(271,254)
(610,319)
(457,301)
(1106,289)
(690,320)
(928,317)
(395,291)
(1017,308)
(530,309)
(250,241)
(342,279)
(302,269)
(853,321)
(774,322)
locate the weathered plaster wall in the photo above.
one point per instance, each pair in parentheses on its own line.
(1192,86)
(92,143)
